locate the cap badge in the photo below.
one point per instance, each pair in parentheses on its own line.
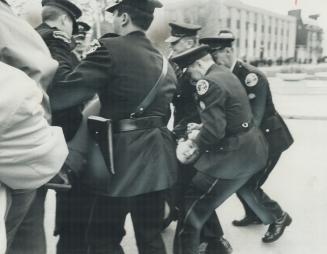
(202,87)
(251,80)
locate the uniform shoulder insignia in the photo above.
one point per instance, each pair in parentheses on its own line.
(251,80)
(61,36)
(95,44)
(202,87)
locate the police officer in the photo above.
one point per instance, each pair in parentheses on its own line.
(59,24)
(123,71)
(261,208)
(80,39)
(184,36)
(220,150)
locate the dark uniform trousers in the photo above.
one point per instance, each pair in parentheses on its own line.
(106,229)
(212,229)
(257,204)
(204,195)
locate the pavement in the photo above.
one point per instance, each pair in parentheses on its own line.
(298,182)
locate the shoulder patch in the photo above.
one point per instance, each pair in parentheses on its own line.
(251,80)
(202,87)
(61,36)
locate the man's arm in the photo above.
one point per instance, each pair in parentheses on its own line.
(258,103)
(212,116)
(81,85)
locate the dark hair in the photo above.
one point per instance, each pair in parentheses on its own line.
(139,18)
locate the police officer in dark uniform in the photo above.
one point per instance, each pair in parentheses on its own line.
(80,40)
(184,36)
(262,208)
(221,150)
(123,71)
(59,24)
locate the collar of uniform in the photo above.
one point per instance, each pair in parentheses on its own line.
(137,32)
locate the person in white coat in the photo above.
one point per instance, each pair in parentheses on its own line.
(31,151)
(23,48)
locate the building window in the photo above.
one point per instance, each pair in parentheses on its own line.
(238,43)
(269,29)
(255,27)
(262,28)
(269,45)
(254,44)
(247,25)
(281,46)
(246,43)
(276,30)
(238,24)
(275,46)
(229,22)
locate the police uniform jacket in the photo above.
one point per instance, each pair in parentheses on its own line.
(122,71)
(265,114)
(229,150)
(60,46)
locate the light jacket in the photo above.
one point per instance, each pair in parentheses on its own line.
(31,151)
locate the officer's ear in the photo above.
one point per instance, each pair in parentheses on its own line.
(125,19)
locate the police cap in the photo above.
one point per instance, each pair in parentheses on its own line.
(180,30)
(147,6)
(70,8)
(189,56)
(224,39)
(83,27)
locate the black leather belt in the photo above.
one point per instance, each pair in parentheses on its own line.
(246,126)
(141,123)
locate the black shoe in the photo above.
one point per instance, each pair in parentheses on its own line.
(221,246)
(277,228)
(246,221)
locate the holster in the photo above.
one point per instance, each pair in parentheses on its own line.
(101,131)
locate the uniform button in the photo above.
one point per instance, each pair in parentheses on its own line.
(207,151)
(178,95)
(267,130)
(221,148)
(141,109)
